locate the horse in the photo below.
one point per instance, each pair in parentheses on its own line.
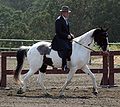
(40,55)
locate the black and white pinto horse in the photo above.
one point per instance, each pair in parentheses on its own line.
(38,54)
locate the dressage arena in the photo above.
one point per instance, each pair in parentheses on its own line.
(77,94)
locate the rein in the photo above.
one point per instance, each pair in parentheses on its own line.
(84,46)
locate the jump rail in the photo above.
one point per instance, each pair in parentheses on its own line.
(5,72)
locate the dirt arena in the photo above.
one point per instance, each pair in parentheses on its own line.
(77,94)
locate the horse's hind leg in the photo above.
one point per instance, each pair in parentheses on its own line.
(26,77)
(87,71)
(41,82)
(69,77)
(41,78)
(25,80)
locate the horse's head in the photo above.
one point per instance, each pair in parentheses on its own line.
(101,38)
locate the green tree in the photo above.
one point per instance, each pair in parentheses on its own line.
(106,13)
(35,19)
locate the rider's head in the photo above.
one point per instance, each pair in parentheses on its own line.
(65,11)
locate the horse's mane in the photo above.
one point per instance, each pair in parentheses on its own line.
(85,36)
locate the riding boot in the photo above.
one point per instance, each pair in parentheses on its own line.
(69,55)
(64,65)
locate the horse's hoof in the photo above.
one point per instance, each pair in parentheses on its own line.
(62,96)
(20,91)
(48,95)
(95,93)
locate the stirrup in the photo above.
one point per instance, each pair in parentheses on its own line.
(65,69)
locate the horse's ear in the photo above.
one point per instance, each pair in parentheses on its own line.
(104,29)
(107,29)
(101,28)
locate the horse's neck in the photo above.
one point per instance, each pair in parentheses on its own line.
(86,39)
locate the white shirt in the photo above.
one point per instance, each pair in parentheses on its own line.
(65,19)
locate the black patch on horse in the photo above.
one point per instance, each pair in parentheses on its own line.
(43,68)
(46,61)
(100,37)
(44,49)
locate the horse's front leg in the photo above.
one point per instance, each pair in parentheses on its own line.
(69,77)
(88,71)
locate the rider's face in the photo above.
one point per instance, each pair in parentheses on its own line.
(65,14)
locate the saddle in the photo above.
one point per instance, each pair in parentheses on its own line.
(45,50)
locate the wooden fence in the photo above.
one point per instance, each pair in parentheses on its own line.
(108,69)
(112,69)
(4,71)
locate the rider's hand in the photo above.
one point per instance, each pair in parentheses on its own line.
(69,37)
(72,36)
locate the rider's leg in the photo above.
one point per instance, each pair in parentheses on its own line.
(64,60)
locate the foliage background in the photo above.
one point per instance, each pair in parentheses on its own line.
(34,19)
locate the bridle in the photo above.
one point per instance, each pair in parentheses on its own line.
(85,46)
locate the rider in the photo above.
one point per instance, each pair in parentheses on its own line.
(63,38)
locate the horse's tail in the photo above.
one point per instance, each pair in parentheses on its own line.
(21,53)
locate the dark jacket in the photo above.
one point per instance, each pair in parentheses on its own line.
(60,41)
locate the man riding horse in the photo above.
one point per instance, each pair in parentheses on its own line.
(62,42)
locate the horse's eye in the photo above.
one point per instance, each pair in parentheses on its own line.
(106,34)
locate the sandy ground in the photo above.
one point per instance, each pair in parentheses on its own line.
(77,94)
